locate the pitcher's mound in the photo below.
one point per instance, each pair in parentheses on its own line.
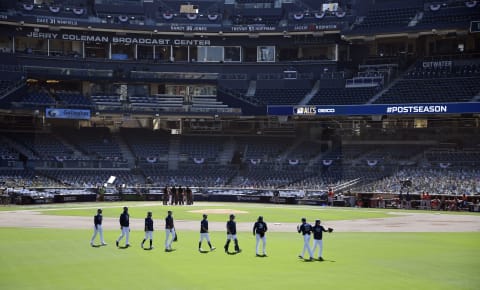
(218,211)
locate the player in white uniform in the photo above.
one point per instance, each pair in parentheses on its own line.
(204,235)
(97,221)
(125,227)
(306,230)
(259,230)
(317,238)
(148,229)
(169,231)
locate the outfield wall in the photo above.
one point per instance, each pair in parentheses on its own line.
(371,200)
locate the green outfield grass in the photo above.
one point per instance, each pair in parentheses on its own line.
(275,213)
(53,259)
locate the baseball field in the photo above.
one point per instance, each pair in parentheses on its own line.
(48,247)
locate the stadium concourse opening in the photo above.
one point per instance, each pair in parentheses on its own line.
(308,102)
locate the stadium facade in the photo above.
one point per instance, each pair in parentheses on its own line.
(303,95)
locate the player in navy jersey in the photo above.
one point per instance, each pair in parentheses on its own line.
(204,234)
(125,227)
(259,230)
(97,223)
(148,230)
(232,234)
(306,230)
(317,238)
(165,196)
(169,231)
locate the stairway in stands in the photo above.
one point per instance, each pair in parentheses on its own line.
(173,152)
(225,156)
(126,152)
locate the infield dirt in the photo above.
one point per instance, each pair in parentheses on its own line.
(399,222)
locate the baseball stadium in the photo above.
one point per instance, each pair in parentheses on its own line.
(239,144)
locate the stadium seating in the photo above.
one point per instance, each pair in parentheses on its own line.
(191,175)
(447,16)
(73,99)
(305,151)
(44,146)
(269,176)
(106,102)
(343,96)
(21,178)
(97,143)
(280,96)
(387,19)
(453,157)
(201,148)
(156,103)
(66,9)
(456,89)
(91,178)
(7,152)
(435,181)
(35,99)
(263,148)
(150,148)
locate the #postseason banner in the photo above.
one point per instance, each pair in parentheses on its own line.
(390,109)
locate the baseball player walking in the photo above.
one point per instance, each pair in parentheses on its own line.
(165,195)
(232,234)
(97,222)
(148,230)
(204,235)
(317,238)
(306,230)
(125,227)
(169,231)
(259,230)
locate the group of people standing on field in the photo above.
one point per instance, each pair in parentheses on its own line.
(260,229)
(177,195)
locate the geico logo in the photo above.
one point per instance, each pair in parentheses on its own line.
(328,110)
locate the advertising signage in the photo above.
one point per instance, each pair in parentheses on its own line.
(75,114)
(170,27)
(124,39)
(389,109)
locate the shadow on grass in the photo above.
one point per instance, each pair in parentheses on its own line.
(233,253)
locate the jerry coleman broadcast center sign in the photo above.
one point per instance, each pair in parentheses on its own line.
(390,109)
